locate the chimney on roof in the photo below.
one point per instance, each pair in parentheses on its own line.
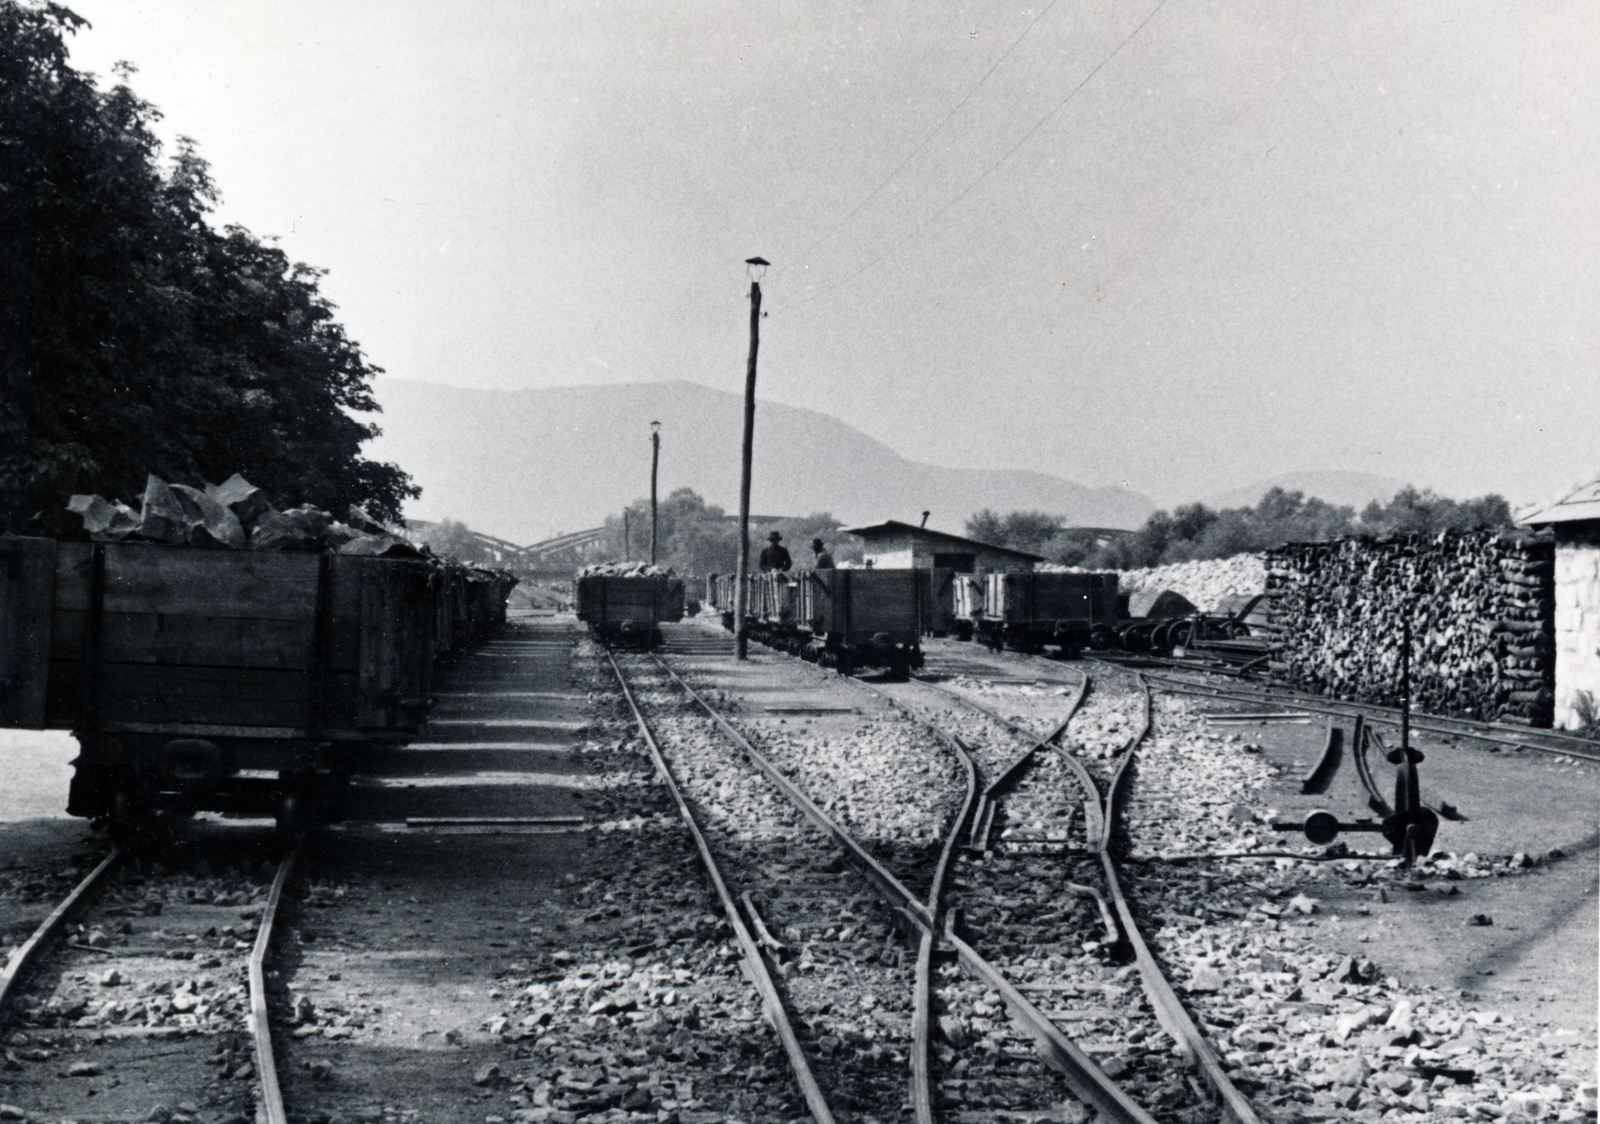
(925,515)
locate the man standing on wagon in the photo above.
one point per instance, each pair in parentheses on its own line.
(824,558)
(775,556)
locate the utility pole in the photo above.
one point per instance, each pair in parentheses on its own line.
(741,627)
(655,461)
(627,547)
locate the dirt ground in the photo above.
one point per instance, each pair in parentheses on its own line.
(1538,959)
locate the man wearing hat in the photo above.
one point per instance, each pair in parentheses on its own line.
(775,556)
(824,559)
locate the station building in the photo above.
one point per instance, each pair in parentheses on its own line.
(894,545)
(1574,520)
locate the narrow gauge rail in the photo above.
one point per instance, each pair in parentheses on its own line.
(39,1001)
(1081,1076)
(760,919)
(1545,741)
(1028,806)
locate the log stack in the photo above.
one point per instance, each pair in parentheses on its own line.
(1482,613)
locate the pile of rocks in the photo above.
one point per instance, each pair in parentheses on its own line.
(623,570)
(1203,583)
(234,515)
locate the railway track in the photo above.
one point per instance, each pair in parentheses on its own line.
(1201,679)
(1237,924)
(1543,741)
(146,988)
(979,1061)
(1088,754)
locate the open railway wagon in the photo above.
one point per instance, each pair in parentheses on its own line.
(221,680)
(850,619)
(1030,610)
(856,619)
(627,609)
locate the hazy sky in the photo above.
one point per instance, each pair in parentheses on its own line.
(1179,245)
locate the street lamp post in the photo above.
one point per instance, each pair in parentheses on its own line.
(655,462)
(757,268)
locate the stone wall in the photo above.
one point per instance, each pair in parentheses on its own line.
(1482,609)
(1577,632)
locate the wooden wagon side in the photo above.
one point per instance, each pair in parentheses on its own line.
(207,678)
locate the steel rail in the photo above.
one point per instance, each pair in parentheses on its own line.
(922,998)
(23,960)
(1436,724)
(892,887)
(809,1088)
(1081,1073)
(1169,1009)
(271,1107)
(1085,1078)
(928,941)
(1094,824)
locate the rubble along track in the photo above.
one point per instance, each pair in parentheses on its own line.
(786,888)
(1103,730)
(127,1013)
(993,1076)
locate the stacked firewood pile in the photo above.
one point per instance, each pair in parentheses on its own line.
(234,515)
(1481,608)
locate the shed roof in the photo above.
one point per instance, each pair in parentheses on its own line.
(895,527)
(1580,506)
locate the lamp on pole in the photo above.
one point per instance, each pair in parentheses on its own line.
(757,268)
(655,461)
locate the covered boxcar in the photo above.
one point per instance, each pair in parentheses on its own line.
(224,680)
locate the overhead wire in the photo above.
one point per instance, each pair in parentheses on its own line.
(923,143)
(995,164)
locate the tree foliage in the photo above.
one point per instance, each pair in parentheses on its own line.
(1195,531)
(136,337)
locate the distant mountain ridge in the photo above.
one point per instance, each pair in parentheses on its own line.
(526,464)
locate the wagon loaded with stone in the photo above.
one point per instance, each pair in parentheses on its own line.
(625,603)
(202,678)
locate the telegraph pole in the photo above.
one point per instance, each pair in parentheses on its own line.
(655,461)
(741,627)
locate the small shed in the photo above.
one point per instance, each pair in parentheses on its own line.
(1574,520)
(894,545)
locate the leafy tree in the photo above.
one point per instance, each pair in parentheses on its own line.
(451,538)
(987,526)
(137,338)
(1194,531)
(1020,530)
(1414,512)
